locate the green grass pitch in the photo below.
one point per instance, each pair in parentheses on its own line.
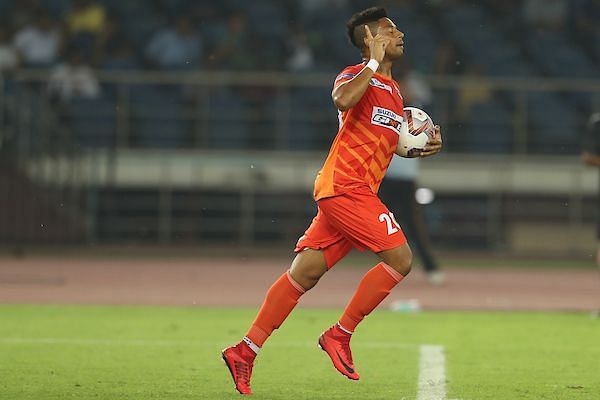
(88,352)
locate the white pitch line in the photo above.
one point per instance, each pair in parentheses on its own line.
(432,373)
(186,342)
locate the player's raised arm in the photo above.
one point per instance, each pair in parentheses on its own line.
(347,94)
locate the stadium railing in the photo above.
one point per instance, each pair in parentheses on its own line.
(148,141)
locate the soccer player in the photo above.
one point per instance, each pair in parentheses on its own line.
(349,212)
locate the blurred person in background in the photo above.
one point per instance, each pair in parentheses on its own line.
(22,13)
(591,157)
(86,16)
(9,58)
(587,26)
(73,79)
(398,189)
(85,23)
(301,54)
(312,7)
(545,14)
(350,214)
(114,50)
(234,49)
(39,43)
(176,47)
(447,59)
(474,90)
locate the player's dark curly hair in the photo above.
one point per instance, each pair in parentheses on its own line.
(362,18)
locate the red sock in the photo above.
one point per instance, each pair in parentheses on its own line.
(280,300)
(373,288)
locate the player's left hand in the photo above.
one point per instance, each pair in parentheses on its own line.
(434,145)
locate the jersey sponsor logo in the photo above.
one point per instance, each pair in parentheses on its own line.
(386,118)
(378,84)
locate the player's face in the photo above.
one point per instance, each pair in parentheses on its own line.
(396,47)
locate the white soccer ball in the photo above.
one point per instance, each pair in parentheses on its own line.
(416,129)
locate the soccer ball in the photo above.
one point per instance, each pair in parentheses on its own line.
(416,129)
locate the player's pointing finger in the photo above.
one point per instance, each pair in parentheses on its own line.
(368,31)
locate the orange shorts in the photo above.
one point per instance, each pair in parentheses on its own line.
(354,219)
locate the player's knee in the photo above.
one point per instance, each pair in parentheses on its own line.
(404,266)
(312,275)
(307,277)
(402,261)
(308,267)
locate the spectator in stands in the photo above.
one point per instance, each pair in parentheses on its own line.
(74,79)
(447,59)
(9,59)
(23,12)
(301,54)
(39,43)
(545,14)
(234,49)
(178,47)
(85,23)
(86,16)
(120,56)
(311,7)
(114,50)
(473,91)
(587,25)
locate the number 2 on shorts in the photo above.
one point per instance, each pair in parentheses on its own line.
(392,225)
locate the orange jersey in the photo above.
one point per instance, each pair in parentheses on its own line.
(366,140)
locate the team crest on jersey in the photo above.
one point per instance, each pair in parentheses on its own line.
(378,84)
(386,118)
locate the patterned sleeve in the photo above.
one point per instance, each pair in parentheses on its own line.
(347,74)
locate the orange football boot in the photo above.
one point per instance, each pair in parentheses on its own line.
(336,343)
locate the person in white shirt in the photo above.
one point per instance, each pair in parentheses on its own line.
(74,79)
(38,44)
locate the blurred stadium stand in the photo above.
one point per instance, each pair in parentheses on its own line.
(134,162)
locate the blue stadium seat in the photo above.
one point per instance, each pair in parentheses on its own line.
(6,6)
(93,122)
(226,127)
(160,126)
(489,129)
(261,12)
(157,117)
(558,57)
(554,125)
(141,28)
(129,9)
(56,8)
(313,121)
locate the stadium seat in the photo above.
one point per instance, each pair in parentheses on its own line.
(6,6)
(554,125)
(557,57)
(490,129)
(227,128)
(157,117)
(93,122)
(56,8)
